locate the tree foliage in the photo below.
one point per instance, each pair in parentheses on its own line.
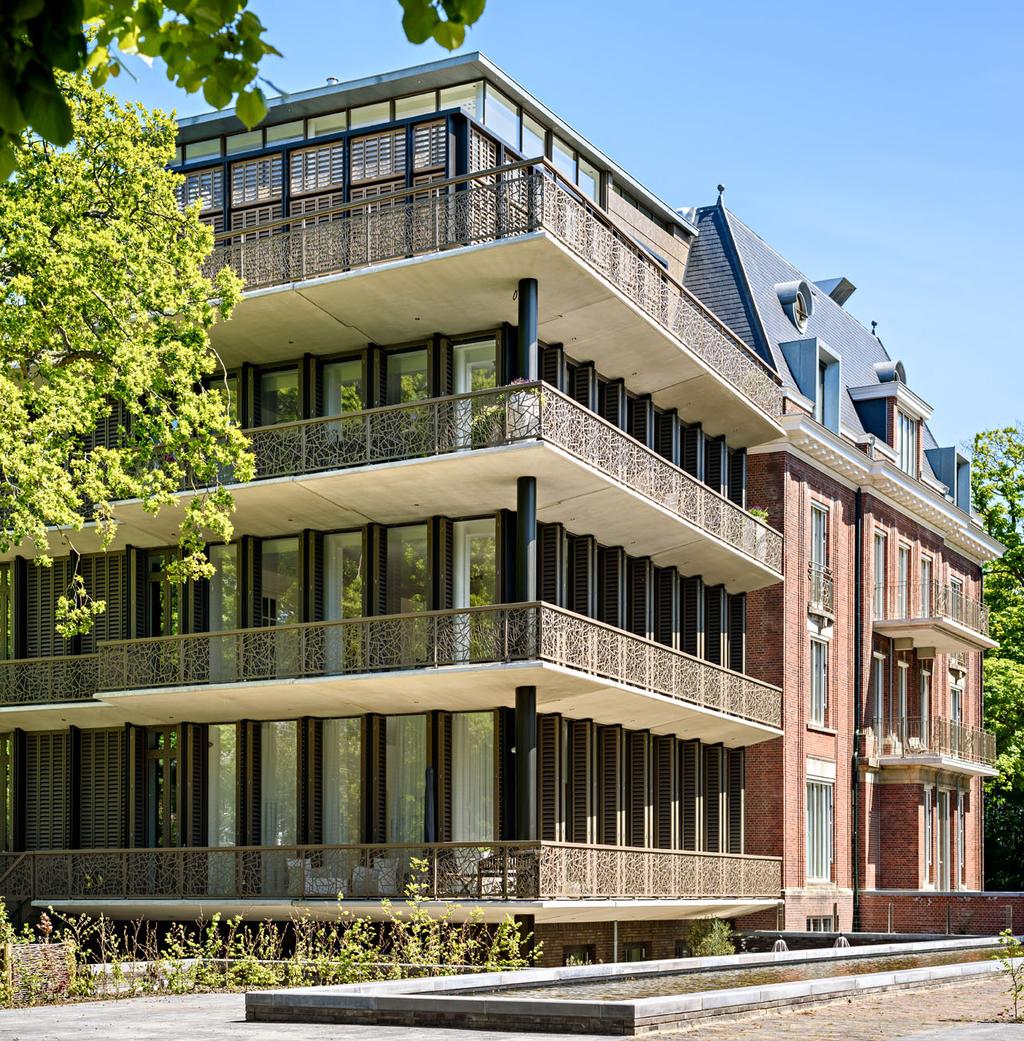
(215,46)
(998,488)
(105,313)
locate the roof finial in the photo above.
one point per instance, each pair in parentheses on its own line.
(874,326)
(721,192)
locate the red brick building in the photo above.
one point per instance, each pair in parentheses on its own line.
(876,636)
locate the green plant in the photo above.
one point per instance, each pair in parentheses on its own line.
(759,512)
(1011,957)
(709,938)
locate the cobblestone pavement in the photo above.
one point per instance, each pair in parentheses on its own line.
(947,1013)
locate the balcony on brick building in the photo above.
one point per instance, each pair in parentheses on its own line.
(935,615)
(932,741)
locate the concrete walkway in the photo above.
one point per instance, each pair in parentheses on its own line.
(957,1012)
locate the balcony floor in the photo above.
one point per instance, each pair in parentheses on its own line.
(470,288)
(936,761)
(546,911)
(943,634)
(453,688)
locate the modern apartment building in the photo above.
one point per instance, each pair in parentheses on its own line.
(503,616)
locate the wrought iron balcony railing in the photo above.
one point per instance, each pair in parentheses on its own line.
(821,590)
(433,639)
(31,681)
(500,203)
(930,600)
(503,416)
(909,738)
(491,871)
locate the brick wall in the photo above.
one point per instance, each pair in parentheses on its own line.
(660,938)
(964,912)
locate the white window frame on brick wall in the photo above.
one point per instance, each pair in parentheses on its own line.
(927,577)
(819,534)
(878,691)
(928,840)
(819,680)
(906,442)
(961,841)
(820,830)
(881,545)
(903,598)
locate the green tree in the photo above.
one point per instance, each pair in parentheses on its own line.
(215,46)
(998,489)
(104,319)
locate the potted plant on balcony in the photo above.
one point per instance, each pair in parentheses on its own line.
(523,408)
(759,533)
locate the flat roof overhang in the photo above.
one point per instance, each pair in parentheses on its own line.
(471,288)
(943,634)
(454,688)
(459,484)
(547,911)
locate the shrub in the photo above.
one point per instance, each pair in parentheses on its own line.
(709,938)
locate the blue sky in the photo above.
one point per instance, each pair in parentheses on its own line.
(880,141)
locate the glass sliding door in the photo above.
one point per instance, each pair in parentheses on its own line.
(221,804)
(344,386)
(474,367)
(279,398)
(224,611)
(342,781)
(279,754)
(279,601)
(163,596)
(408,569)
(474,580)
(344,591)
(161,787)
(473,777)
(406,376)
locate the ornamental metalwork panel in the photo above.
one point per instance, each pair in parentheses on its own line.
(28,681)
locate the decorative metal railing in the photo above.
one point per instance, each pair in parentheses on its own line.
(490,871)
(29,681)
(909,738)
(821,590)
(500,203)
(503,416)
(432,639)
(930,600)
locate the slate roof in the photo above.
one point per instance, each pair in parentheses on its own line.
(735,272)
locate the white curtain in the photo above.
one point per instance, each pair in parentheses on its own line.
(343,805)
(473,776)
(405,777)
(278,780)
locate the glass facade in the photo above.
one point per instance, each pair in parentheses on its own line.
(342,781)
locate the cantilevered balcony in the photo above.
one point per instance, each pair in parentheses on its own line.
(553,880)
(461,455)
(936,742)
(932,615)
(449,257)
(820,590)
(459,659)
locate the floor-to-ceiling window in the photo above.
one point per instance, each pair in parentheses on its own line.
(279,581)
(163,595)
(406,376)
(405,778)
(408,569)
(474,367)
(161,787)
(342,781)
(279,398)
(278,783)
(343,576)
(472,776)
(343,386)
(475,581)
(223,610)
(221,802)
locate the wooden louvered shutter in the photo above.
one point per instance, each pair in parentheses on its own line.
(314,774)
(47,790)
(315,610)
(611,561)
(641,597)
(446,564)
(666,435)
(444,352)
(194,776)
(550,563)
(254,782)
(735,788)
(137,787)
(737,631)
(737,482)
(243,735)
(612,401)
(580,825)
(582,575)
(715,466)
(584,385)
(378,768)
(691,638)
(666,793)
(713,798)
(641,419)
(610,779)
(444,777)
(258,613)
(714,616)
(430,146)
(549,754)
(104,578)
(317,169)
(101,787)
(639,801)
(691,450)
(552,366)
(377,540)
(690,795)
(666,606)
(198,591)
(43,586)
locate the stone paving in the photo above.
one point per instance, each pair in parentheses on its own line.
(954,1012)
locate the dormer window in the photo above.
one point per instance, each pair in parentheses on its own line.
(906,442)
(800,311)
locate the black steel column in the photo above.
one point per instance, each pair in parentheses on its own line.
(528,368)
(526,539)
(526,763)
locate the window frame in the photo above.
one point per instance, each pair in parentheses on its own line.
(819,675)
(820,833)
